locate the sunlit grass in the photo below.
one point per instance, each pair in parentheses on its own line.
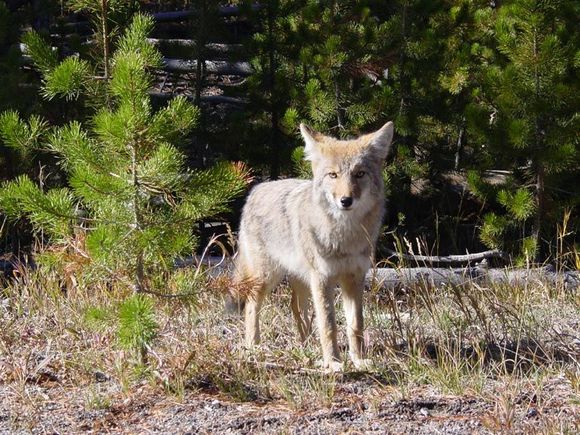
(492,343)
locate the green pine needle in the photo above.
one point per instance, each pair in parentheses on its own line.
(42,54)
(134,41)
(67,79)
(20,135)
(137,325)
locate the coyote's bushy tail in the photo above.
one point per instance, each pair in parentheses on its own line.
(238,290)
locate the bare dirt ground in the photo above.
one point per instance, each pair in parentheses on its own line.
(451,360)
(358,406)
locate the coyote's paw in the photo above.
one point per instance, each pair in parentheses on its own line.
(363,364)
(331,367)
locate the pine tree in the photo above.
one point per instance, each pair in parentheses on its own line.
(338,67)
(129,205)
(319,62)
(467,50)
(531,104)
(81,75)
(137,325)
(271,51)
(411,37)
(105,14)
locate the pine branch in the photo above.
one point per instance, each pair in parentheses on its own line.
(20,135)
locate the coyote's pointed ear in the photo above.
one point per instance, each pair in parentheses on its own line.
(381,140)
(309,136)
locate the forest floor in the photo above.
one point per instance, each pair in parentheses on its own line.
(468,359)
(358,406)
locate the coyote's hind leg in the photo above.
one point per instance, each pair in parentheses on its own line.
(259,290)
(301,307)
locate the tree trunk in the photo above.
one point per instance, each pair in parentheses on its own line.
(137,224)
(459,147)
(339,114)
(200,46)
(403,82)
(105,36)
(540,208)
(538,165)
(274,109)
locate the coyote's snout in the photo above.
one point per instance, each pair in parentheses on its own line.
(319,233)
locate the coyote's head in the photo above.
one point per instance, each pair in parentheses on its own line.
(347,173)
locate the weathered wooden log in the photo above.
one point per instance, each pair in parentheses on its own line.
(211,99)
(159,17)
(437,277)
(219,67)
(223,99)
(449,259)
(212,46)
(170,16)
(222,11)
(168,43)
(389,279)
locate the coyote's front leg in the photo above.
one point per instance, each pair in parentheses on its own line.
(323,301)
(352,295)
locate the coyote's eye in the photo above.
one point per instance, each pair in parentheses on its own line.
(332,174)
(360,174)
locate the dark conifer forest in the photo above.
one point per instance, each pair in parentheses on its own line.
(484,96)
(131,133)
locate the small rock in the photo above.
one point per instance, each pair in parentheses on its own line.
(532,412)
(101,377)
(424,411)
(214,404)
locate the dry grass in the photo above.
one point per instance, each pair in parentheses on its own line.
(513,351)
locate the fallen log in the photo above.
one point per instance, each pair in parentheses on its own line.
(211,99)
(183,15)
(211,46)
(84,26)
(448,259)
(215,48)
(389,279)
(219,67)
(436,277)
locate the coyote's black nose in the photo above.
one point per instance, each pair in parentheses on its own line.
(346,201)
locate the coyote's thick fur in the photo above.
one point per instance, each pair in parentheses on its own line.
(319,233)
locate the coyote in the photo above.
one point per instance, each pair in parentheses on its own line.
(319,233)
